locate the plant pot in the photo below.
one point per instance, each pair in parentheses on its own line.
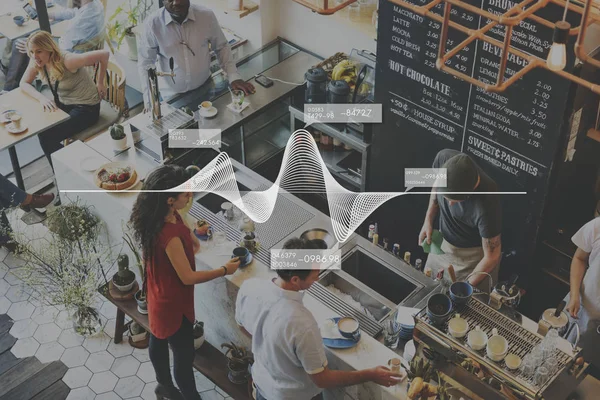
(238,373)
(198,342)
(137,337)
(236,5)
(126,287)
(142,305)
(86,321)
(120,144)
(136,134)
(132,44)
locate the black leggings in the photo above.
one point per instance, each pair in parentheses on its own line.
(82,117)
(182,344)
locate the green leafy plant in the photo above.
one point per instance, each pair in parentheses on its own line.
(125,18)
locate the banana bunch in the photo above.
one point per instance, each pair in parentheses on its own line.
(344,71)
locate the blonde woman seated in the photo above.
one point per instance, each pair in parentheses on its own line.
(72,87)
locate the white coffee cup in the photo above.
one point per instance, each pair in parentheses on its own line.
(16,120)
(477,339)
(205,105)
(497,346)
(458,326)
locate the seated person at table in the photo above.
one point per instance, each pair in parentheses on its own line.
(290,361)
(11,196)
(84,33)
(71,84)
(184,32)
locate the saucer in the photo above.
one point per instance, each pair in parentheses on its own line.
(11,128)
(248,261)
(204,237)
(339,342)
(211,112)
(244,106)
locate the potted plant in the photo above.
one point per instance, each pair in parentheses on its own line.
(198,334)
(68,262)
(117,133)
(238,362)
(420,374)
(140,295)
(136,332)
(124,279)
(121,24)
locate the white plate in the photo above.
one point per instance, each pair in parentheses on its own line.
(91,164)
(120,165)
(211,112)
(11,128)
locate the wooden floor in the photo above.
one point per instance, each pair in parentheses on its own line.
(27,378)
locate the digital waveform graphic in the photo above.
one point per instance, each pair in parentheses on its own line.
(302,171)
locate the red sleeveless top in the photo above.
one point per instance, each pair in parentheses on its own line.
(168,298)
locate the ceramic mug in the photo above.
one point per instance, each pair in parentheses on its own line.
(19,20)
(242,253)
(477,339)
(349,327)
(457,326)
(497,346)
(205,105)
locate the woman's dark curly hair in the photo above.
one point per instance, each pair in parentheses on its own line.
(150,209)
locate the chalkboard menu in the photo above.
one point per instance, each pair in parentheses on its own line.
(514,135)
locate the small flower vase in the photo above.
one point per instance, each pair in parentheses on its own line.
(86,321)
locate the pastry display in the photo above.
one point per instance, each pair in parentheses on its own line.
(116,176)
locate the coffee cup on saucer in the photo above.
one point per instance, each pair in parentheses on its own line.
(243,254)
(349,328)
(16,121)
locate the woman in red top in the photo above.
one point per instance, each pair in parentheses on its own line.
(168,247)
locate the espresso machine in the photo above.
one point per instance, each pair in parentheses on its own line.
(156,124)
(454,358)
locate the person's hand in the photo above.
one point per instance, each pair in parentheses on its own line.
(426,232)
(232,265)
(101,89)
(383,376)
(574,306)
(48,104)
(246,87)
(22,45)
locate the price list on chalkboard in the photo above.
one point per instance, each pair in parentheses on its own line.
(516,130)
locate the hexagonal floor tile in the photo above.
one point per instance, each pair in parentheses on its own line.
(44,314)
(23,328)
(120,349)
(25,347)
(3,270)
(202,382)
(109,310)
(99,362)
(4,286)
(125,366)
(83,393)
(77,377)
(109,328)
(3,253)
(108,396)
(75,356)
(34,299)
(212,395)
(141,355)
(220,391)
(13,261)
(18,293)
(103,382)
(4,304)
(146,372)
(69,338)
(49,352)
(97,343)
(129,387)
(20,310)
(14,276)
(47,333)
(148,392)
(63,320)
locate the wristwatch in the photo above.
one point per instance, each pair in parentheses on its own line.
(224,270)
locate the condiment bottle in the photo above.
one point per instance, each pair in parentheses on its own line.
(375,239)
(371,231)
(396,249)
(385,243)
(407,257)
(337,144)
(419,264)
(427,271)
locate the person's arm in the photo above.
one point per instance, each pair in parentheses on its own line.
(75,61)
(330,378)
(432,211)
(27,88)
(222,49)
(578,268)
(61,15)
(177,256)
(147,56)
(492,253)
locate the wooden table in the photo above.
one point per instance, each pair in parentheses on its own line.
(33,116)
(209,361)
(8,27)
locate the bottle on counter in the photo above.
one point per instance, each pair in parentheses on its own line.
(385,243)
(375,239)
(371,231)
(337,145)
(326,142)
(396,249)
(407,257)
(419,264)
(376,228)
(427,271)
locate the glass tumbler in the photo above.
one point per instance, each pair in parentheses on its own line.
(237,99)
(537,355)
(552,364)
(549,343)
(528,366)
(219,238)
(541,376)
(391,334)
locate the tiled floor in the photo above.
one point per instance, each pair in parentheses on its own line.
(99,369)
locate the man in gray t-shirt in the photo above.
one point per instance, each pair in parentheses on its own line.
(470,223)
